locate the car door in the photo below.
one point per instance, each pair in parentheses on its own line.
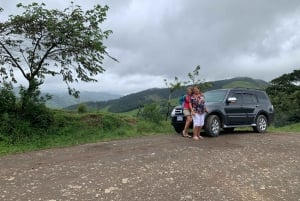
(234,111)
(250,103)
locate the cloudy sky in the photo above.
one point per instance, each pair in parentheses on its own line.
(157,40)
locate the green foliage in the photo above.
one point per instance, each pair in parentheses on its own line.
(111,122)
(82,108)
(294,128)
(70,39)
(145,127)
(38,115)
(152,113)
(71,128)
(194,76)
(7,98)
(172,86)
(22,118)
(284,92)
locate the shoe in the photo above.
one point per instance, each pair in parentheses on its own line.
(184,134)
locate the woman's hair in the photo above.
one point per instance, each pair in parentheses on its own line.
(190,88)
(196,86)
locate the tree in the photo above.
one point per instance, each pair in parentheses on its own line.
(194,76)
(284,92)
(177,84)
(193,80)
(42,42)
(172,86)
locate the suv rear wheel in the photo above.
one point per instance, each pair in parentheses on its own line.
(213,125)
(261,124)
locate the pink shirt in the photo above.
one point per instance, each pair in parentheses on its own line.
(187,101)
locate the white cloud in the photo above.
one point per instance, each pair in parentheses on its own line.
(163,39)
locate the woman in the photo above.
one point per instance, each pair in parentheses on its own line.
(198,112)
(187,108)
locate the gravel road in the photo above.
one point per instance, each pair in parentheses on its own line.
(237,167)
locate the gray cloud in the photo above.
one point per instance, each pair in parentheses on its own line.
(163,39)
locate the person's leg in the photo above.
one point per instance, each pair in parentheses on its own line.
(199,133)
(187,125)
(195,131)
(196,126)
(201,123)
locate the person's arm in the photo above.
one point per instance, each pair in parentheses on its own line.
(191,107)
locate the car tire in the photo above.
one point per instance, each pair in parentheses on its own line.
(213,125)
(261,124)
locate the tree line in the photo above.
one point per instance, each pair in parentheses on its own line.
(284,92)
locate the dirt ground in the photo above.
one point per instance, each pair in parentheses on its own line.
(237,167)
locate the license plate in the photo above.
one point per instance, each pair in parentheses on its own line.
(179,118)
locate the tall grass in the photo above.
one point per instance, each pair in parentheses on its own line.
(72,128)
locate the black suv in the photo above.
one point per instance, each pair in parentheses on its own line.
(231,108)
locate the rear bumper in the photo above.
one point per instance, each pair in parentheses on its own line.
(178,120)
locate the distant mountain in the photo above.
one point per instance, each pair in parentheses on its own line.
(63,99)
(135,100)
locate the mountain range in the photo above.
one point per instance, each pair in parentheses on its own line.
(160,95)
(63,99)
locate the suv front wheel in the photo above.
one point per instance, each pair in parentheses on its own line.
(261,124)
(213,125)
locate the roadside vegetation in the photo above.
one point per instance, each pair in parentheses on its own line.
(294,128)
(73,128)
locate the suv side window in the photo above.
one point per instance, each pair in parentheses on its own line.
(249,98)
(238,97)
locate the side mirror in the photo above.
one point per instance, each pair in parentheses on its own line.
(231,100)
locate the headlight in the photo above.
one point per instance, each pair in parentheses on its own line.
(173,113)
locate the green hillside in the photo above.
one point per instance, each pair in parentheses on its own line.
(160,95)
(256,84)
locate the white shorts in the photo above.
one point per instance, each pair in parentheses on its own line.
(198,119)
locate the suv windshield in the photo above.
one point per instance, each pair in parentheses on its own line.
(215,96)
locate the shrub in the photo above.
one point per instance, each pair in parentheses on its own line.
(7,99)
(111,122)
(38,115)
(151,112)
(81,108)
(23,118)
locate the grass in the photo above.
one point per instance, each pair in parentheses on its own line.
(294,128)
(71,129)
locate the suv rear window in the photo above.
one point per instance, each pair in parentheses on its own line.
(249,98)
(262,97)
